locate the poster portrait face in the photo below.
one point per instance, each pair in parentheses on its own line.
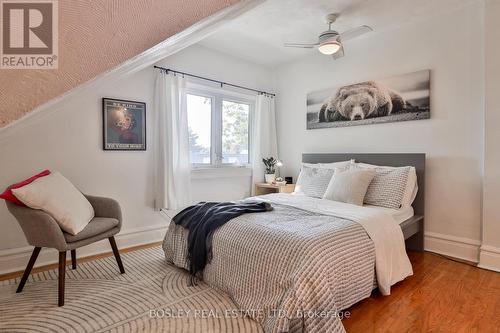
(124,124)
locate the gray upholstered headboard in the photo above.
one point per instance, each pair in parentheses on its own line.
(416,160)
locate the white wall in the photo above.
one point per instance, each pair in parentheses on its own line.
(452,138)
(67,137)
(490,249)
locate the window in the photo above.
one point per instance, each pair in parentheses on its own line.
(235,131)
(219,129)
(199,110)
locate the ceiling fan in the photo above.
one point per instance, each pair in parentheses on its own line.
(330,41)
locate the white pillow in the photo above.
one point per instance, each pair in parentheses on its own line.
(56,196)
(332,165)
(313,182)
(349,186)
(411,188)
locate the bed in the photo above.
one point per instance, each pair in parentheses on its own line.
(412,226)
(295,269)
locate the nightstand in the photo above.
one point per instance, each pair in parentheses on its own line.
(265,188)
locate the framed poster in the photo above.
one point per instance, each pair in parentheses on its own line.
(398,98)
(124,124)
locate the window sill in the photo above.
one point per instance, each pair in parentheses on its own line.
(223,172)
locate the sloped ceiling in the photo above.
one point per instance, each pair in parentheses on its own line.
(95,36)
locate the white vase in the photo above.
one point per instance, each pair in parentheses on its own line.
(270,177)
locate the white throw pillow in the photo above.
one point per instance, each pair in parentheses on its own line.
(56,196)
(349,186)
(313,182)
(332,165)
(411,187)
(344,165)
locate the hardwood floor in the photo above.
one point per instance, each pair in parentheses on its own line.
(441,296)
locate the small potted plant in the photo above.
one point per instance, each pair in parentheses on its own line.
(270,164)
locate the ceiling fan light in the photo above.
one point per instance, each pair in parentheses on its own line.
(329,47)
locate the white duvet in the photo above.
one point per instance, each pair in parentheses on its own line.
(391,261)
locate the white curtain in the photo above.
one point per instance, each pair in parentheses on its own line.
(172,167)
(264,141)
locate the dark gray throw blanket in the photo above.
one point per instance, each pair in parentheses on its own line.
(203,219)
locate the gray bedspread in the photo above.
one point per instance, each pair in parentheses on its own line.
(291,270)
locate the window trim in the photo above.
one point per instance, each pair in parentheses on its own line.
(218,96)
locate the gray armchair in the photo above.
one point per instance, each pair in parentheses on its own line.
(41,230)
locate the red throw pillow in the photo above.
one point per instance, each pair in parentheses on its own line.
(9,196)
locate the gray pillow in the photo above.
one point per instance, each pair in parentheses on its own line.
(313,182)
(349,186)
(388,187)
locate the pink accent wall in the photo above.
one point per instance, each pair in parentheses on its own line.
(95,36)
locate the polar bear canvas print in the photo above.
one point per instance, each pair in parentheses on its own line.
(397,98)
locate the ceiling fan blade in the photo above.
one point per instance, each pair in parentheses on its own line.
(356,32)
(301,45)
(339,53)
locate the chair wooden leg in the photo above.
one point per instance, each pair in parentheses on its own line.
(28,269)
(62,275)
(73,259)
(117,254)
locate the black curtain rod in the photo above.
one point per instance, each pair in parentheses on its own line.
(215,81)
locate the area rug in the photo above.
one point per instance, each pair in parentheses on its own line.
(151,297)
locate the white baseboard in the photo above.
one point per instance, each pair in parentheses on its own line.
(13,260)
(489,258)
(452,246)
